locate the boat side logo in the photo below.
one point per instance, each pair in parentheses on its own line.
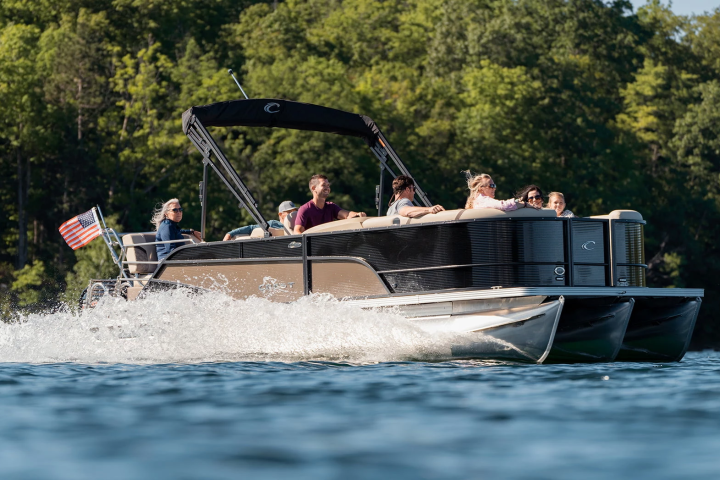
(272,107)
(271,285)
(589,245)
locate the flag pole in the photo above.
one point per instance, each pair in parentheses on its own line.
(104,232)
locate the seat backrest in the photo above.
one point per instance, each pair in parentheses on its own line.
(473,213)
(257,233)
(621,215)
(289,221)
(338,225)
(445,216)
(144,253)
(375,222)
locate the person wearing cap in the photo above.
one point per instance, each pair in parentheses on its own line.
(285,209)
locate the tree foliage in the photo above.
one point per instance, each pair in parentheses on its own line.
(616,108)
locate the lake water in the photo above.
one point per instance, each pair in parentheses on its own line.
(208,387)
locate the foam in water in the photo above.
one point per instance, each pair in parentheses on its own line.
(174,327)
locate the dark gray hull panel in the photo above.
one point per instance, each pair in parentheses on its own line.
(660,329)
(591,330)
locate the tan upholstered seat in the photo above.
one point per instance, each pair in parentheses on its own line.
(621,215)
(376,222)
(473,213)
(339,225)
(145,253)
(445,216)
(257,233)
(289,222)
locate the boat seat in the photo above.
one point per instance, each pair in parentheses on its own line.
(444,216)
(145,253)
(289,222)
(621,215)
(338,225)
(376,222)
(473,213)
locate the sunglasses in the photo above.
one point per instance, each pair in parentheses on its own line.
(176,210)
(536,197)
(492,185)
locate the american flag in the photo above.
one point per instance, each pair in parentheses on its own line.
(80,230)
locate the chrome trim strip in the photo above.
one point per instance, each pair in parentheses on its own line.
(554,330)
(196,261)
(448,267)
(567,292)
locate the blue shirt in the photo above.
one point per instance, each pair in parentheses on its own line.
(247,229)
(168,230)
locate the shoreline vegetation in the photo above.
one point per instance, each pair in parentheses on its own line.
(618,109)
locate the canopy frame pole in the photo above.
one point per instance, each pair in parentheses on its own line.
(379,196)
(205,144)
(384,145)
(203,199)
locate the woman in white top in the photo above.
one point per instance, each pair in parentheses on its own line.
(482,194)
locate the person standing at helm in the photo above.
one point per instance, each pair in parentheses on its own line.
(318,210)
(401,202)
(166,219)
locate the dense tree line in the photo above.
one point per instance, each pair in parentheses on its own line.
(618,109)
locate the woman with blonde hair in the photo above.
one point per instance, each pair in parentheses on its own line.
(482,194)
(166,218)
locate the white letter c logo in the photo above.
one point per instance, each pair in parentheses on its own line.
(272,107)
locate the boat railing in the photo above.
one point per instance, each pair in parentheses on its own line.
(124,262)
(119,250)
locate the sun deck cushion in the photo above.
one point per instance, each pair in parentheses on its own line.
(445,216)
(473,213)
(621,215)
(144,253)
(257,233)
(339,225)
(289,221)
(375,222)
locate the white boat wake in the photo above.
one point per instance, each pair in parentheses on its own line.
(173,327)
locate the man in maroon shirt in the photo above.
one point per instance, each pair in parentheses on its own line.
(318,211)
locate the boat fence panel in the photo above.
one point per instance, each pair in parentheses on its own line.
(628,241)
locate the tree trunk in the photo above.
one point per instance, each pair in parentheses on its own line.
(23,184)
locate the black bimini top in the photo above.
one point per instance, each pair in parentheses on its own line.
(269,112)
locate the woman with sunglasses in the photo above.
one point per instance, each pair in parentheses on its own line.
(482,194)
(532,195)
(166,219)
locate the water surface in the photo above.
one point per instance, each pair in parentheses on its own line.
(345,394)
